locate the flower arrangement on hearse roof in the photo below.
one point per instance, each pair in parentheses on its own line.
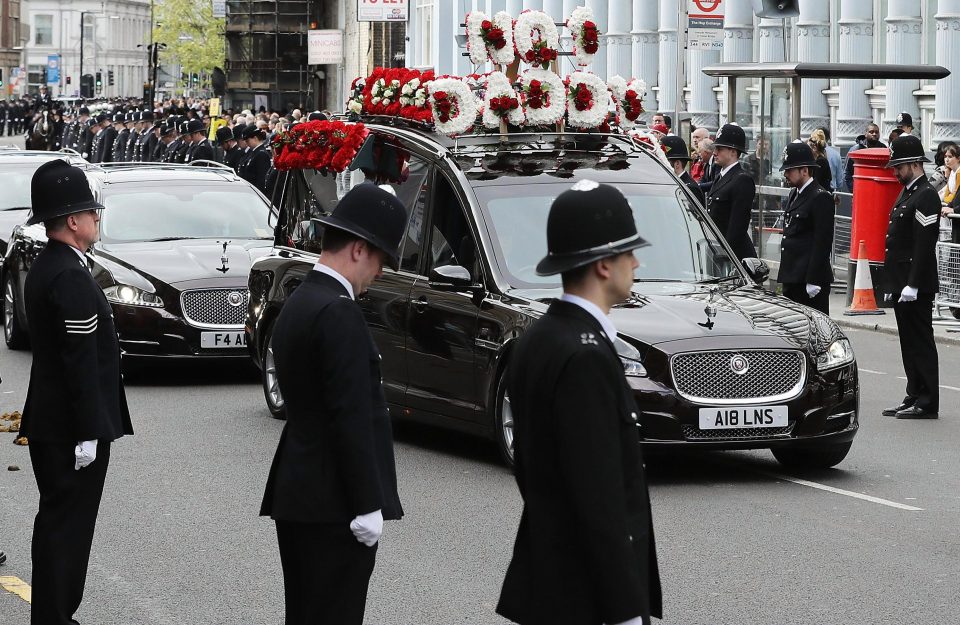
(511,96)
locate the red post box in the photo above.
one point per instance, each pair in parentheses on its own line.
(875,189)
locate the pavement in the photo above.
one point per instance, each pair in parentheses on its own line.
(946,329)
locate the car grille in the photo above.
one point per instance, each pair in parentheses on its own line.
(707,377)
(692,433)
(212,307)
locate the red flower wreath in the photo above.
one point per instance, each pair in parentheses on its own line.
(326,145)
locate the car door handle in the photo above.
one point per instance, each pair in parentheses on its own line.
(420,304)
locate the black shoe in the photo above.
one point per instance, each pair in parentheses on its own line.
(915,412)
(892,412)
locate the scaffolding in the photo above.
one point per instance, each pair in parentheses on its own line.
(267,53)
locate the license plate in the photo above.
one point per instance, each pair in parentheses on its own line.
(729,417)
(222,340)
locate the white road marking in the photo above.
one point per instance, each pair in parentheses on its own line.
(950,388)
(872,371)
(840,491)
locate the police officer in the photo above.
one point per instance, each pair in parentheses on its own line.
(149,149)
(168,135)
(585,551)
(110,137)
(183,128)
(75,404)
(256,163)
(231,151)
(333,480)
(96,146)
(805,270)
(200,146)
(730,199)
(123,136)
(910,270)
(679,157)
(130,151)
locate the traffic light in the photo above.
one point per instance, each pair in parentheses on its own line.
(110,77)
(86,86)
(68,80)
(99,80)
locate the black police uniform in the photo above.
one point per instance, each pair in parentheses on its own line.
(232,157)
(911,260)
(677,151)
(149,151)
(335,458)
(730,198)
(254,169)
(120,145)
(75,394)
(106,144)
(807,236)
(585,552)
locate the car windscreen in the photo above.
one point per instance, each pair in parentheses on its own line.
(15,181)
(136,212)
(682,246)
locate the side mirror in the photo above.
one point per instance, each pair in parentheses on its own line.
(757,269)
(450,278)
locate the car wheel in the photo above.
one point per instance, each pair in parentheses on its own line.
(503,420)
(268,376)
(14,335)
(812,458)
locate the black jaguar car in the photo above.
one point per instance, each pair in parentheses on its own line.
(176,244)
(715,361)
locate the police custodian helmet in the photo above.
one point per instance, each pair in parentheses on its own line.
(374,215)
(676,148)
(731,136)
(588,222)
(797,154)
(906,149)
(59,189)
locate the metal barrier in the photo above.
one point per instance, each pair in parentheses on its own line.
(948,273)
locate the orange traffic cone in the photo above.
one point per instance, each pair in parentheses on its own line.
(864,302)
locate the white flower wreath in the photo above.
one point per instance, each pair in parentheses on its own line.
(529,22)
(575,26)
(413,93)
(597,113)
(498,86)
(464,102)
(555,101)
(479,49)
(476,46)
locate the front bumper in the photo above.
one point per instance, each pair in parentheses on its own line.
(157,333)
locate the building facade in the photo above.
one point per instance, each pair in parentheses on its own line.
(9,43)
(639,38)
(113,38)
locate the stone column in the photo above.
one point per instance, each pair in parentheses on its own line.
(619,39)
(514,7)
(946,123)
(667,76)
(646,52)
(533,5)
(554,8)
(856,46)
(813,46)
(600,16)
(904,30)
(737,48)
(704,110)
(771,40)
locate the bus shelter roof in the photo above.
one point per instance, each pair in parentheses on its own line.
(827,70)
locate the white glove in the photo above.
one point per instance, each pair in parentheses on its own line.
(813,290)
(368,527)
(908,294)
(86,453)
(637,620)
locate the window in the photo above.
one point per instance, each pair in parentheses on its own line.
(43,30)
(424,17)
(451,240)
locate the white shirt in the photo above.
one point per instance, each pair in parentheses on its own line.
(595,312)
(805,185)
(726,169)
(333,273)
(914,182)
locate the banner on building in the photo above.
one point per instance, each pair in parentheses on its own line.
(382,10)
(53,69)
(705,27)
(324,47)
(219,8)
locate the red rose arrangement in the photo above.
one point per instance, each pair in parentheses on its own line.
(492,35)
(536,96)
(632,105)
(541,54)
(503,105)
(582,97)
(590,38)
(398,92)
(321,145)
(445,107)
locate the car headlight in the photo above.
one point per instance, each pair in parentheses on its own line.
(631,358)
(838,354)
(131,296)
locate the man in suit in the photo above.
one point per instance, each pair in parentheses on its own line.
(585,551)
(75,404)
(730,199)
(679,156)
(805,270)
(910,271)
(231,151)
(333,480)
(707,172)
(256,163)
(200,147)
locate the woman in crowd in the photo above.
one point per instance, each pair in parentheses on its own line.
(950,193)
(818,143)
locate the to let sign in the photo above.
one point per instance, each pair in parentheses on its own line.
(324,47)
(705,28)
(382,10)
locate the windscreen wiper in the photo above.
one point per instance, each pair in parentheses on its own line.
(720,280)
(172,239)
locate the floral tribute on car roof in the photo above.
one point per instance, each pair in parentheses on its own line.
(586,37)
(490,39)
(537,38)
(321,145)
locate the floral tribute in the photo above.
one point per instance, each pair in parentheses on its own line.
(587,100)
(649,140)
(398,92)
(536,37)
(322,145)
(628,98)
(501,102)
(586,37)
(453,104)
(488,38)
(544,101)
(355,102)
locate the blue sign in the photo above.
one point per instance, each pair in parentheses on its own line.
(53,69)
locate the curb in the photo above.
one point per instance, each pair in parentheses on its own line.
(941,339)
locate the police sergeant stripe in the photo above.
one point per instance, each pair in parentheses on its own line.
(81,326)
(926,220)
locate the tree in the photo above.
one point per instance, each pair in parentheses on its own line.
(194,38)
